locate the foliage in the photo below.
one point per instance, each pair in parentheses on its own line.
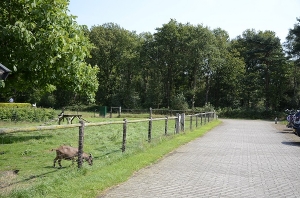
(45,48)
(265,76)
(248,113)
(293,41)
(12,105)
(58,63)
(292,46)
(178,102)
(26,114)
(2,84)
(116,52)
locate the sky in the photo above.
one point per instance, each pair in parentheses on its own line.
(233,16)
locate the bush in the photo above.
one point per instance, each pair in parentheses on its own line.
(13,104)
(178,102)
(26,114)
(248,113)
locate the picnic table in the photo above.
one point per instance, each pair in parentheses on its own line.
(69,117)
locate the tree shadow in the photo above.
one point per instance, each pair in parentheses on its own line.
(10,138)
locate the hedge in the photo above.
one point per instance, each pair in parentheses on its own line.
(13,104)
(26,114)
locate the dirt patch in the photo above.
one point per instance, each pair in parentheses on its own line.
(7,178)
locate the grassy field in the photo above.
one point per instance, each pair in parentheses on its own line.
(26,163)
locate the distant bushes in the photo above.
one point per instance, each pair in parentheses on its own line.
(249,113)
(29,114)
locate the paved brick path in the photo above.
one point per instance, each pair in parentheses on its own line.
(239,158)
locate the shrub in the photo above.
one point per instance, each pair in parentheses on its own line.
(248,113)
(26,114)
(13,104)
(179,102)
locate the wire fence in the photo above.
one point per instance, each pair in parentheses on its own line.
(145,133)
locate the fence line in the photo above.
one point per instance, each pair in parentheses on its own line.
(179,127)
(53,127)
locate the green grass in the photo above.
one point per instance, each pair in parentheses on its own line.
(31,154)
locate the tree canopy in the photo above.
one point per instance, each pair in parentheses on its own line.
(55,61)
(45,48)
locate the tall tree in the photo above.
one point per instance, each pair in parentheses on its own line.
(228,74)
(292,46)
(45,48)
(151,86)
(117,53)
(168,43)
(264,58)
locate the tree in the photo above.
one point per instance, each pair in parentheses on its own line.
(183,51)
(117,54)
(265,68)
(45,48)
(229,72)
(151,84)
(292,46)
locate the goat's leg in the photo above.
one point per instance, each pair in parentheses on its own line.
(54,161)
(59,163)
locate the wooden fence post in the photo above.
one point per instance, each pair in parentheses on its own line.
(124,135)
(120,109)
(208,115)
(80,143)
(150,130)
(166,125)
(191,122)
(177,123)
(182,122)
(110,115)
(150,112)
(201,119)
(196,120)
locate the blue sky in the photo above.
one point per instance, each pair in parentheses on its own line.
(234,16)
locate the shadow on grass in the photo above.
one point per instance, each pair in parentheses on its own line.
(29,178)
(10,139)
(107,153)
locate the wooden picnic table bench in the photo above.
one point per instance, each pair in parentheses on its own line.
(69,117)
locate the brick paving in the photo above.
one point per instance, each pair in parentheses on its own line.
(239,158)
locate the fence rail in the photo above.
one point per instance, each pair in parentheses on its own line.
(180,123)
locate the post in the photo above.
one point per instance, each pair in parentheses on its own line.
(196,120)
(208,116)
(150,130)
(276,120)
(201,119)
(182,122)
(80,143)
(166,125)
(120,109)
(110,115)
(191,122)
(150,110)
(124,135)
(177,123)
